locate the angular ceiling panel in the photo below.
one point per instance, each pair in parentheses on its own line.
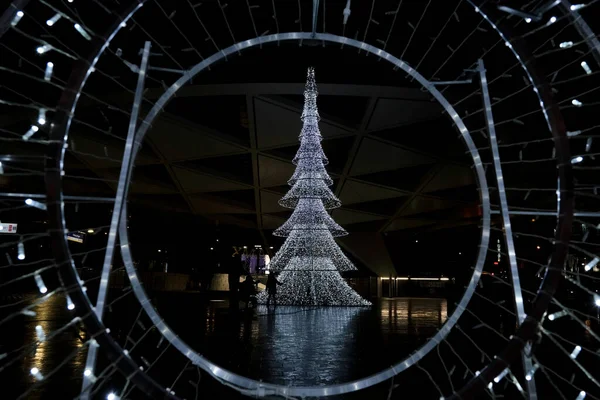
(206,205)
(451,176)
(358,192)
(179,142)
(391,112)
(107,153)
(269,202)
(149,188)
(345,217)
(278,126)
(374,156)
(421,204)
(409,223)
(272,222)
(196,182)
(273,172)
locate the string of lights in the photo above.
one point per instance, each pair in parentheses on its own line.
(310,259)
(563,49)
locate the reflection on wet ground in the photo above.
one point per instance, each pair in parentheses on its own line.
(288,345)
(316,346)
(19,337)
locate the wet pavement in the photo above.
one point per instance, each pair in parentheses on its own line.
(285,345)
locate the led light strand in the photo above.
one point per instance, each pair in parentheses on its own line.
(530,374)
(586,68)
(42,116)
(36,373)
(581,395)
(32,130)
(575,352)
(48,71)
(589,266)
(43,48)
(40,283)
(21,250)
(54,19)
(18,15)
(576,160)
(82,32)
(310,260)
(36,204)
(557,315)
(502,375)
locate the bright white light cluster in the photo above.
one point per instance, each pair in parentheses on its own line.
(310,169)
(310,148)
(310,260)
(299,244)
(310,216)
(314,281)
(310,189)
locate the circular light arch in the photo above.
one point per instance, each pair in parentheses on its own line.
(259,387)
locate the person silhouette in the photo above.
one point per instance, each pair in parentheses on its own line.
(272,283)
(235,270)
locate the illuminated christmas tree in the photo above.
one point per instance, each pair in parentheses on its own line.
(310,260)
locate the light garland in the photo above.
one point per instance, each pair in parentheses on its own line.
(310,260)
(298,244)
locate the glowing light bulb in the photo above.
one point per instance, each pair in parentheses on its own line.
(48,72)
(502,375)
(42,116)
(581,395)
(586,67)
(530,374)
(565,45)
(576,7)
(90,231)
(576,160)
(552,20)
(557,315)
(43,49)
(53,20)
(575,352)
(32,130)
(70,304)
(40,283)
(87,372)
(112,396)
(591,264)
(573,133)
(21,251)
(597,300)
(82,32)
(17,18)
(36,373)
(576,103)
(36,204)
(528,20)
